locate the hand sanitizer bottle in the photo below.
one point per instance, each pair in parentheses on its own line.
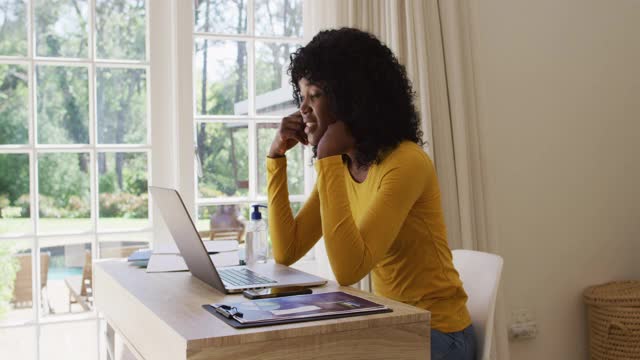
(257,243)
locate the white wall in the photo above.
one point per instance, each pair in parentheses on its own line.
(558,85)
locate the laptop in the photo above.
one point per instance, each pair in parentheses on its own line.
(229,279)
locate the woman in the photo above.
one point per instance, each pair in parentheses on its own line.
(376,200)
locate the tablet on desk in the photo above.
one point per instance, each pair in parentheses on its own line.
(290,309)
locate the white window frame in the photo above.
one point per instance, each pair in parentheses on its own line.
(159,64)
(187,181)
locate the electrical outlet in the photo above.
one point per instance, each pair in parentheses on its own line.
(523,331)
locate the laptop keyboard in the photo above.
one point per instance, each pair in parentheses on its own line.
(242,277)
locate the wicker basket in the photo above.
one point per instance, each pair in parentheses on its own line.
(614,320)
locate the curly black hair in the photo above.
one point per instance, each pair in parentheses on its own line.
(367,88)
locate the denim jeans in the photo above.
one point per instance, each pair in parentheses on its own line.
(459,345)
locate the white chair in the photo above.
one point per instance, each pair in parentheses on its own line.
(480,274)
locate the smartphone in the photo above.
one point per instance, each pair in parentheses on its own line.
(275,292)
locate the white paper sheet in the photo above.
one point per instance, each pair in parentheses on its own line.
(175,262)
(213,246)
(295,310)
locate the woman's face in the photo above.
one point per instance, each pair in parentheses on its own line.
(314,107)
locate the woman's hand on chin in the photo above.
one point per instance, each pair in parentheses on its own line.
(337,140)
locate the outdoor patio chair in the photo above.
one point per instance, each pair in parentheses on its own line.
(22,290)
(223,234)
(80,286)
(225,225)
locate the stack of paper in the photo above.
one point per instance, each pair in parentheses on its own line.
(140,257)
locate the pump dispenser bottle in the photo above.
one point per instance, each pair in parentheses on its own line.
(257,243)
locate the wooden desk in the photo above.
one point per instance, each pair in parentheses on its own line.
(160,316)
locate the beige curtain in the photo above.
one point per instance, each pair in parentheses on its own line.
(432,39)
(457,148)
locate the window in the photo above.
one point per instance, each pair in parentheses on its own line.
(241,91)
(83,131)
(75,151)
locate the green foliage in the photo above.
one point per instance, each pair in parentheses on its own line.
(220,98)
(62,109)
(24,203)
(272,60)
(224,165)
(230,83)
(77,208)
(278,17)
(14,176)
(114,19)
(124,205)
(4,201)
(13,37)
(48,208)
(61,177)
(221,16)
(63,104)
(14,182)
(9,267)
(135,182)
(121,105)
(265,81)
(11,212)
(61,29)
(14,97)
(108,183)
(295,162)
(124,197)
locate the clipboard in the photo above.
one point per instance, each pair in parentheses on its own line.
(293,309)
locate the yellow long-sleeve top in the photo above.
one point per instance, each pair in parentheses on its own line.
(391,225)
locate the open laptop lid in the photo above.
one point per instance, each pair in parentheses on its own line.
(175,215)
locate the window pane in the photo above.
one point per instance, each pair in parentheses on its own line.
(61,28)
(221,77)
(63,181)
(15,212)
(221,16)
(13,27)
(295,161)
(124,200)
(71,340)
(18,343)
(69,281)
(274,94)
(123,245)
(278,18)
(122,106)
(222,148)
(63,105)
(14,97)
(16,297)
(120,29)
(224,221)
(295,208)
